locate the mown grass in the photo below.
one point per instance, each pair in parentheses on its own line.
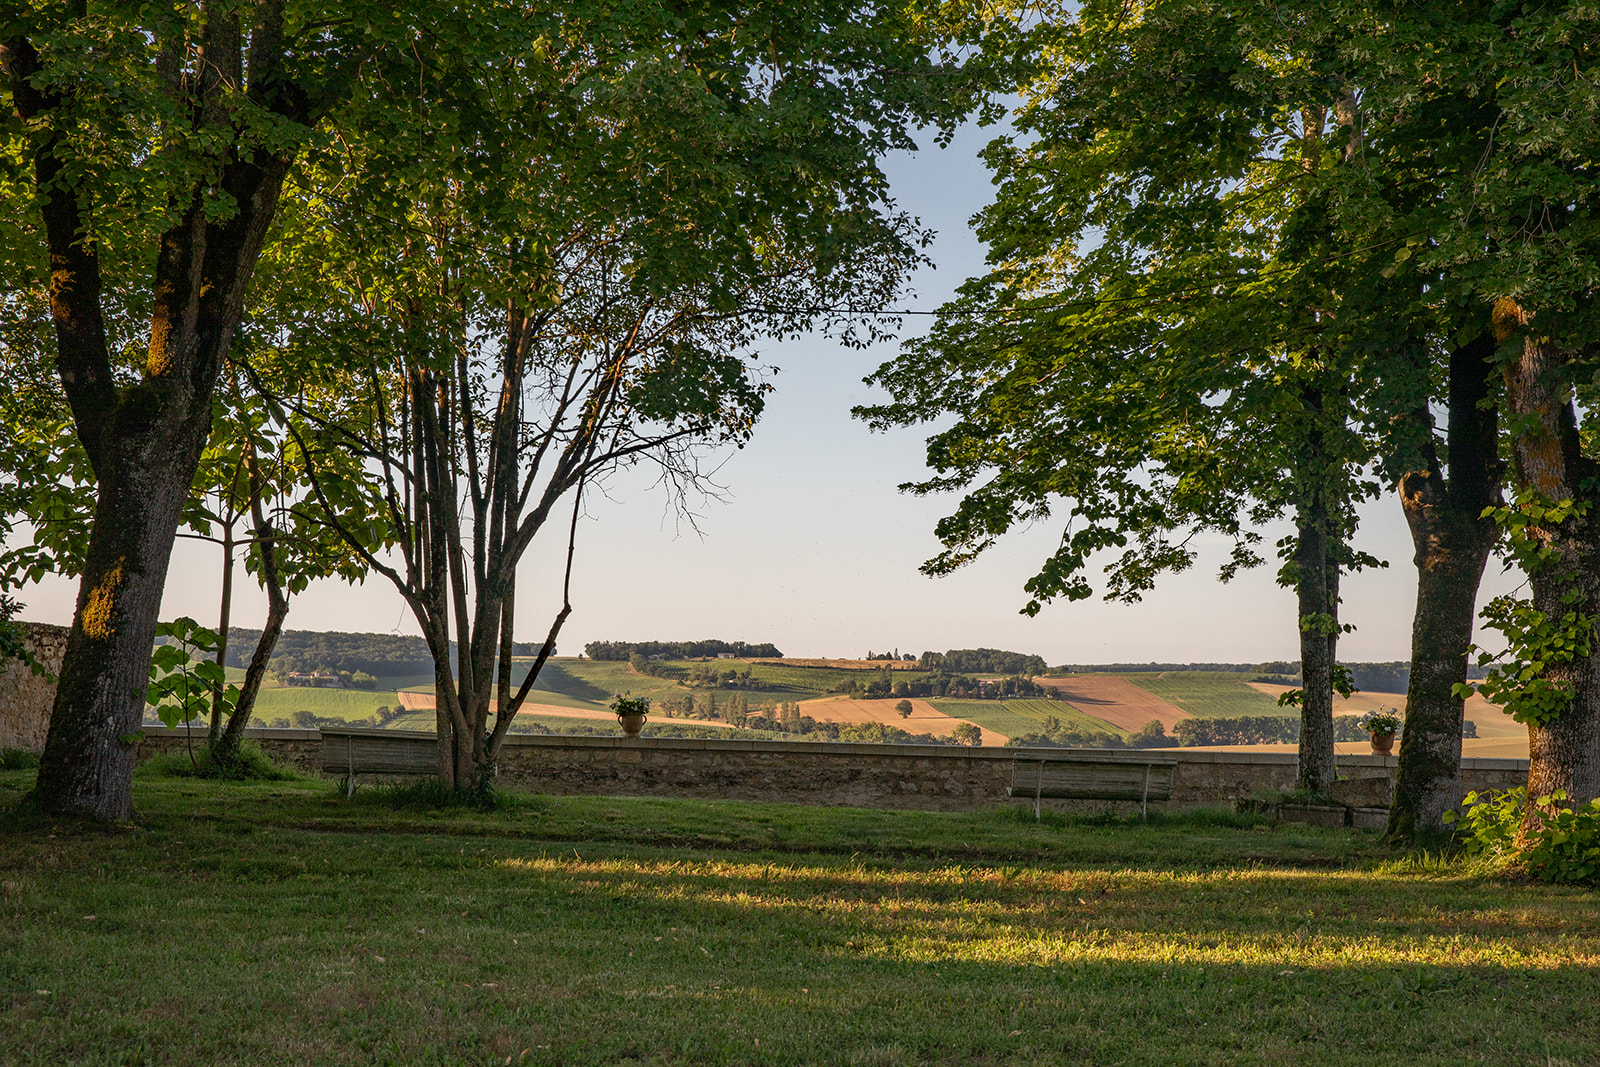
(1209,695)
(276,922)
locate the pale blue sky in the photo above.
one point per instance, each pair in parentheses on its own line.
(814,550)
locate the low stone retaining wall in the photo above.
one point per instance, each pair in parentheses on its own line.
(26,698)
(300,749)
(922,777)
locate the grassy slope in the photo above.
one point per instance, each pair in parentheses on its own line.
(602,930)
(1209,695)
(326,703)
(1014,718)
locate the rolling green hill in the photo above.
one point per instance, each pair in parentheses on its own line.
(1209,694)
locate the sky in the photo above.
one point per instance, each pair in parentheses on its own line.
(812,548)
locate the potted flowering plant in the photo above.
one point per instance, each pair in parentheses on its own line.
(1381,726)
(631,713)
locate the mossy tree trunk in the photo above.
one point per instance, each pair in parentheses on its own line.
(1564,753)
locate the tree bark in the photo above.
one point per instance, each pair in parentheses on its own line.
(1453,541)
(1317,563)
(225,749)
(87,765)
(224,621)
(1317,595)
(1563,754)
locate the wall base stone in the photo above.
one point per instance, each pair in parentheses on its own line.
(26,698)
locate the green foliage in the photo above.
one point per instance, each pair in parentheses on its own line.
(429,794)
(13,639)
(1563,847)
(1566,846)
(249,763)
(1530,678)
(625,705)
(16,759)
(967,733)
(1344,683)
(184,674)
(1381,722)
(1518,679)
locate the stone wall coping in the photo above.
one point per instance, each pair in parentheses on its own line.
(844,748)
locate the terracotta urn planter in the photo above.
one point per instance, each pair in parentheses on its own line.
(1382,744)
(632,724)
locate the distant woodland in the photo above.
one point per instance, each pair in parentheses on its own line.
(621,650)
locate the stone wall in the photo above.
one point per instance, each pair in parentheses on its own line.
(26,698)
(921,777)
(300,749)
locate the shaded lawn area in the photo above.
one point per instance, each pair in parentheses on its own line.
(262,922)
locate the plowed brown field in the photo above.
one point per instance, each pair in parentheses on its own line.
(924,718)
(1116,701)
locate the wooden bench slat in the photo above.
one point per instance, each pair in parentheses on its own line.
(1099,777)
(354,753)
(1091,781)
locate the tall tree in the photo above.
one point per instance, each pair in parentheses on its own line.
(1492,112)
(158,141)
(558,269)
(1157,349)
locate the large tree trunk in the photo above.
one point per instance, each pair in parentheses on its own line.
(143,440)
(87,766)
(1453,541)
(1564,754)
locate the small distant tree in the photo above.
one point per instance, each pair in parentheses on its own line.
(363,680)
(904,708)
(967,734)
(1152,735)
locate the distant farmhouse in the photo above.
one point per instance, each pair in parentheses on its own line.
(317,679)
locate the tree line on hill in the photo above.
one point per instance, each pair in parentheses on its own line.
(678,650)
(983,661)
(942,684)
(307,651)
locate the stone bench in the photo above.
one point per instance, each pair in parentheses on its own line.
(1123,776)
(353,751)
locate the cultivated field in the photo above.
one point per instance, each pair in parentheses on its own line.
(576,931)
(1210,694)
(925,717)
(1115,699)
(1015,718)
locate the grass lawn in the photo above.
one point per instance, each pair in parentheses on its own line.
(1210,694)
(279,923)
